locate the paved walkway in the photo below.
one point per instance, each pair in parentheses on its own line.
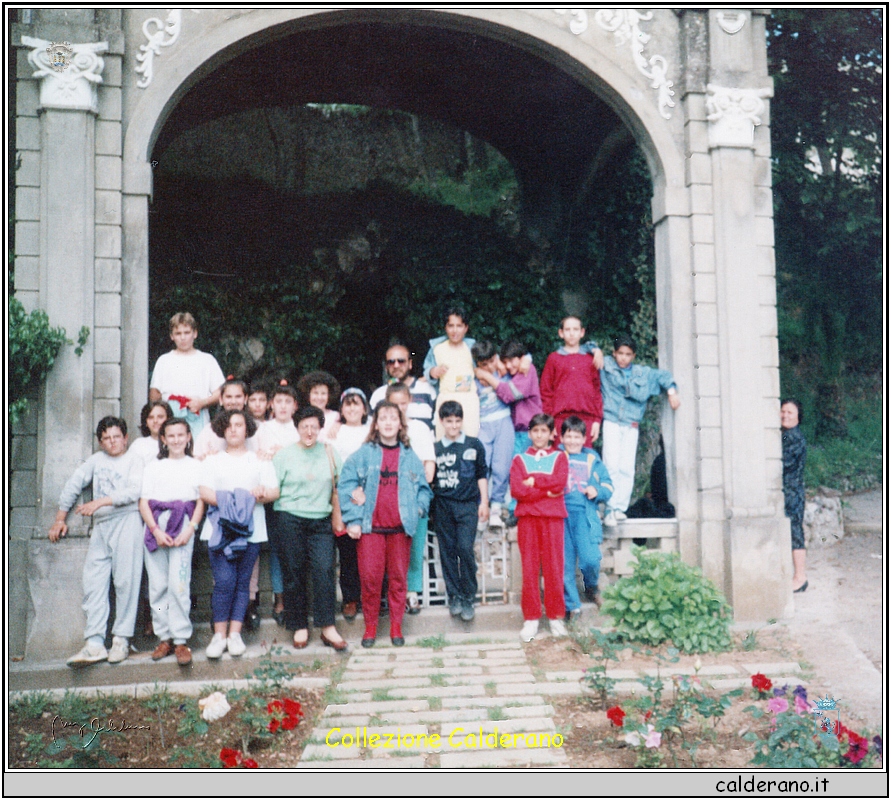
(476,704)
(437,705)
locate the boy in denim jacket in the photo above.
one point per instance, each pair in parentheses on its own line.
(626,388)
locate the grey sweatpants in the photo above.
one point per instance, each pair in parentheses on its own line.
(115,553)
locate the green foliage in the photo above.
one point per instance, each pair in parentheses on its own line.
(86,752)
(667,600)
(31,704)
(435,642)
(33,347)
(192,724)
(272,673)
(792,743)
(827,143)
(480,191)
(603,647)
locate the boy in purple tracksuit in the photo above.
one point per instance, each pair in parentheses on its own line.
(521,392)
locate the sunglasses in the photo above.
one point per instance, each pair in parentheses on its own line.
(392,361)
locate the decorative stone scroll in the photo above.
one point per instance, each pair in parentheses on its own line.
(733,115)
(156,40)
(578,24)
(74,87)
(625,25)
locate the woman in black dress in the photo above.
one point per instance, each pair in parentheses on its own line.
(794,452)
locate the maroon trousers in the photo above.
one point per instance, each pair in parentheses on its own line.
(380,554)
(541,549)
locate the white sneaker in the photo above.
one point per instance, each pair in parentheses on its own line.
(89,654)
(217,646)
(558,628)
(610,521)
(120,649)
(530,628)
(236,644)
(621,516)
(495,520)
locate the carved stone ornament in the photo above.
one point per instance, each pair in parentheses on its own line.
(578,23)
(156,40)
(733,115)
(73,87)
(625,25)
(731,21)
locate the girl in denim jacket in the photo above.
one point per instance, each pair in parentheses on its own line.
(383,495)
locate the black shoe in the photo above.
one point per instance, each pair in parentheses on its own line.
(397,641)
(368,642)
(252,616)
(467,612)
(279,617)
(511,521)
(802,588)
(455,607)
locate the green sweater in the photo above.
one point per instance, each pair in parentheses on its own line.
(304,477)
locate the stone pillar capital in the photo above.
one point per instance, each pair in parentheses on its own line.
(733,115)
(67,82)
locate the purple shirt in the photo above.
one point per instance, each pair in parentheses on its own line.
(521,393)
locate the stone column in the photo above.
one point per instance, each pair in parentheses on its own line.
(67,108)
(756,540)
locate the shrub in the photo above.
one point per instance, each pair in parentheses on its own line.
(667,600)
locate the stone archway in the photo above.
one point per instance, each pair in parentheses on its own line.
(692,95)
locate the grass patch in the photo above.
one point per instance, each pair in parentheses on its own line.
(31,704)
(437,680)
(435,703)
(490,689)
(435,642)
(496,713)
(438,663)
(380,695)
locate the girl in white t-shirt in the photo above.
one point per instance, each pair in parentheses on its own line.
(347,438)
(154,413)
(272,436)
(236,468)
(171,509)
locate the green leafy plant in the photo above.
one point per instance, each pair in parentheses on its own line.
(666,600)
(33,347)
(31,704)
(272,673)
(603,647)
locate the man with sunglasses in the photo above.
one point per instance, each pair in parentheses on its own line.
(423,396)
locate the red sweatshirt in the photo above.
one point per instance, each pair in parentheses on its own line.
(571,383)
(550,468)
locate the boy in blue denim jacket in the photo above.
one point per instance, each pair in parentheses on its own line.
(588,484)
(626,388)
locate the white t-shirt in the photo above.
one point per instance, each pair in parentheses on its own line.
(273,433)
(225,473)
(421,438)
(423,400)
(207,443)
(145,449)
(195,375)
(169,479)
(331,419)
(349,439)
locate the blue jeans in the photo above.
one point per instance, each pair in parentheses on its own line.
(580,543)
(232,583)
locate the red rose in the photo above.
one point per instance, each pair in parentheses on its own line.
(289,723)
(761,683)
(274,707)
(273,725)
(229,757)
(249,763)
(616,716)
(292,708)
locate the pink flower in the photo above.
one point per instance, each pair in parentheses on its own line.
(654,738)
(801,706)
(777,705)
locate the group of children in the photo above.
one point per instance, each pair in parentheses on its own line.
(496,425)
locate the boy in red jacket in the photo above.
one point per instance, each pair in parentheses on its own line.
(537,480)
(570,381)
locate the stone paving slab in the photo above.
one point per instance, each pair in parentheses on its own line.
(673,669)
(488,702)
(501,757)
(383,683)
(517,688)
(347,721)
(405,762)
(412,672)
(523,725)
(547,688)
(773,668)
(321,752)
(499,677)
(435,717)
(437,691)
(375,707)
(490,647)
(515,712)
(493,662)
